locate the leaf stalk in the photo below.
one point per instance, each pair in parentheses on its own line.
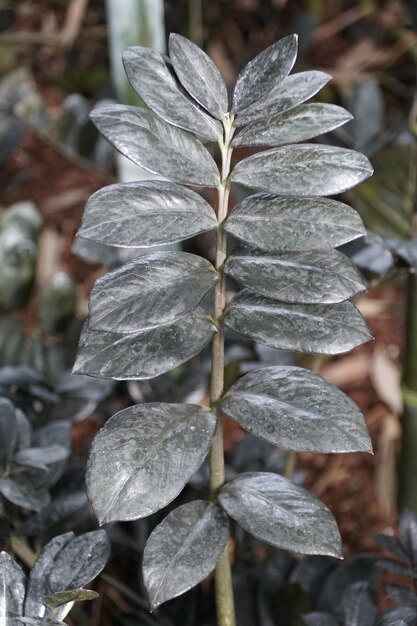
(223,575)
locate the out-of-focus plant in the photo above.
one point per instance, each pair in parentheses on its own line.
(145,320)
(64,566)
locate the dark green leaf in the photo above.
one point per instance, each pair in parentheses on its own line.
(20,490)
(79,561)
(146,353)
(183,550)
(156,146)
(359,605)
(261,75)
(291,92)
(198,75)
(12,589)
(315,328)
(143,457)
(285,515)
(151,78)
(40,458)
(38,578)
(151,290)
(303,170)
(280,225)
(304,122)
(138,214)
(8,431)
(55,600)
(319,619)
(297,410)
(304,277)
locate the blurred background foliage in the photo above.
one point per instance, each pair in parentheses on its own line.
(56,64)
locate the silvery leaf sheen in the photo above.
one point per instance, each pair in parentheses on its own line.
(149,316)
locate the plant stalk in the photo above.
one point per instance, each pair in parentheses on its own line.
(223,575)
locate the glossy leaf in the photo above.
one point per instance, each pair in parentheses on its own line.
(298,410)
(291,92)
(282,225)
(314,328)
(138,214)
(199,75)
(156,146)
(303,277)
(265,72)
(20,490)
(8,431)
(303,170)
(91,549)
(299,124)
(151,290)
(34,621)
(60,598)
(150,76)
(283,514)
(12,589)
(183,550)
(144,455)
(145,353)
(37,586)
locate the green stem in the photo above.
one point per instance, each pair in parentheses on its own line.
(223,575)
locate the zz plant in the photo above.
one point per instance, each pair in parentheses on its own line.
(145,317)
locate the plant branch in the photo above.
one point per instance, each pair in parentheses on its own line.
(223,576)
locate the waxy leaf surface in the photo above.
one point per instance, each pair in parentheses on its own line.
(313,328)
(299,124)
(291,92)
(38,580)
(298,410)
(148,213)
(283,514)
(155,145)
(151,290)
(41,457)
(281,225)
(303,170)
(12,589)
(183,550)
(150,76)
(265,72)
(145,353)
(143,457)
(300,277)
(198,75)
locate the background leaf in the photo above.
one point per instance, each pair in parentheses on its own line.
(8,431)
(285,515)
(136,214)
(156,146)
(280,225)
(306,277)
(151,78)
(139,355)
(268,403)
(304,122)
(151,290)
(303,170)
(183,550)
(23,492)
(199,75)
(143,456)
(315,328)
(265,72)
